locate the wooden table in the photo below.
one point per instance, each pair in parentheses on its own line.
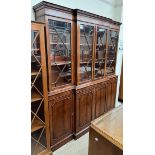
(106,134)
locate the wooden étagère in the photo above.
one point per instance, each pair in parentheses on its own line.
(40,135)
(81,52)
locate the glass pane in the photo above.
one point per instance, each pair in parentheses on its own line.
(100,52)
(86,51)
(35,52)
(36,69)
(60,45)
(111,55)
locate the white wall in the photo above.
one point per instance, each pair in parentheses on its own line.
(119,59)
(107,8)
(100,7)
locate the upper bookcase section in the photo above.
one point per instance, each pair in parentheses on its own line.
(44,9)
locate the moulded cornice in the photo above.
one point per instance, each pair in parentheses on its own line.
(45,4)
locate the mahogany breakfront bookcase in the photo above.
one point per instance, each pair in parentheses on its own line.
(81,56)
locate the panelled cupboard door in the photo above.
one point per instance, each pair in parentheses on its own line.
(61,116)
(114,87)
(100,99)
(84,101)
(110,94)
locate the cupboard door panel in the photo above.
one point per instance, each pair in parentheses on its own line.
(84,103)
(61,113)
(111,86)
(100,100)
(108,96)
(114,91)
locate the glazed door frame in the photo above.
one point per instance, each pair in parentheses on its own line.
(106,28)
(116,51)
(49,49)
(78,51)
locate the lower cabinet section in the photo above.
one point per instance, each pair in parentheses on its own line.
(92,102)
(61,118)
(84,103)
(72,111)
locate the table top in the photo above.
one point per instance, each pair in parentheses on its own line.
(110,126)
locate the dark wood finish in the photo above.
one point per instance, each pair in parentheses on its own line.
(74,105)
(100,99)
(84,102)
(98,145)
(93,101)
(42,94)
(61,117)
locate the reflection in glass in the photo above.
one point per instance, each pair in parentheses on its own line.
(86,50)
(60,55)
(111,55)
(100,52)
(35,52)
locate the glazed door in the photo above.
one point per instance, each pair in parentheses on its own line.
(111,52)
(60,53)
(100,52)
(85,52)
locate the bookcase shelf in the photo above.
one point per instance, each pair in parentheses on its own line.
(36,125)
(35,97)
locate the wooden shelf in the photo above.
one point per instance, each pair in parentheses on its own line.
(60,63)
(83,62)
(37,124)
(39,150)
(35,49)
(86,35)
(45,152)
(59,43)
(33,73)
(86,44)
(35,97)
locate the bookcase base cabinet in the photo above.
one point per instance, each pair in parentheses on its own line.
(61,118)
(93,101)
(72,111)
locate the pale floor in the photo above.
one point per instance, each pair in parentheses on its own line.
(76,147)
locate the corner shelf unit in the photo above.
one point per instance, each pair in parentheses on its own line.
(40,142)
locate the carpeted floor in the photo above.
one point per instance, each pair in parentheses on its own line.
(74,147)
